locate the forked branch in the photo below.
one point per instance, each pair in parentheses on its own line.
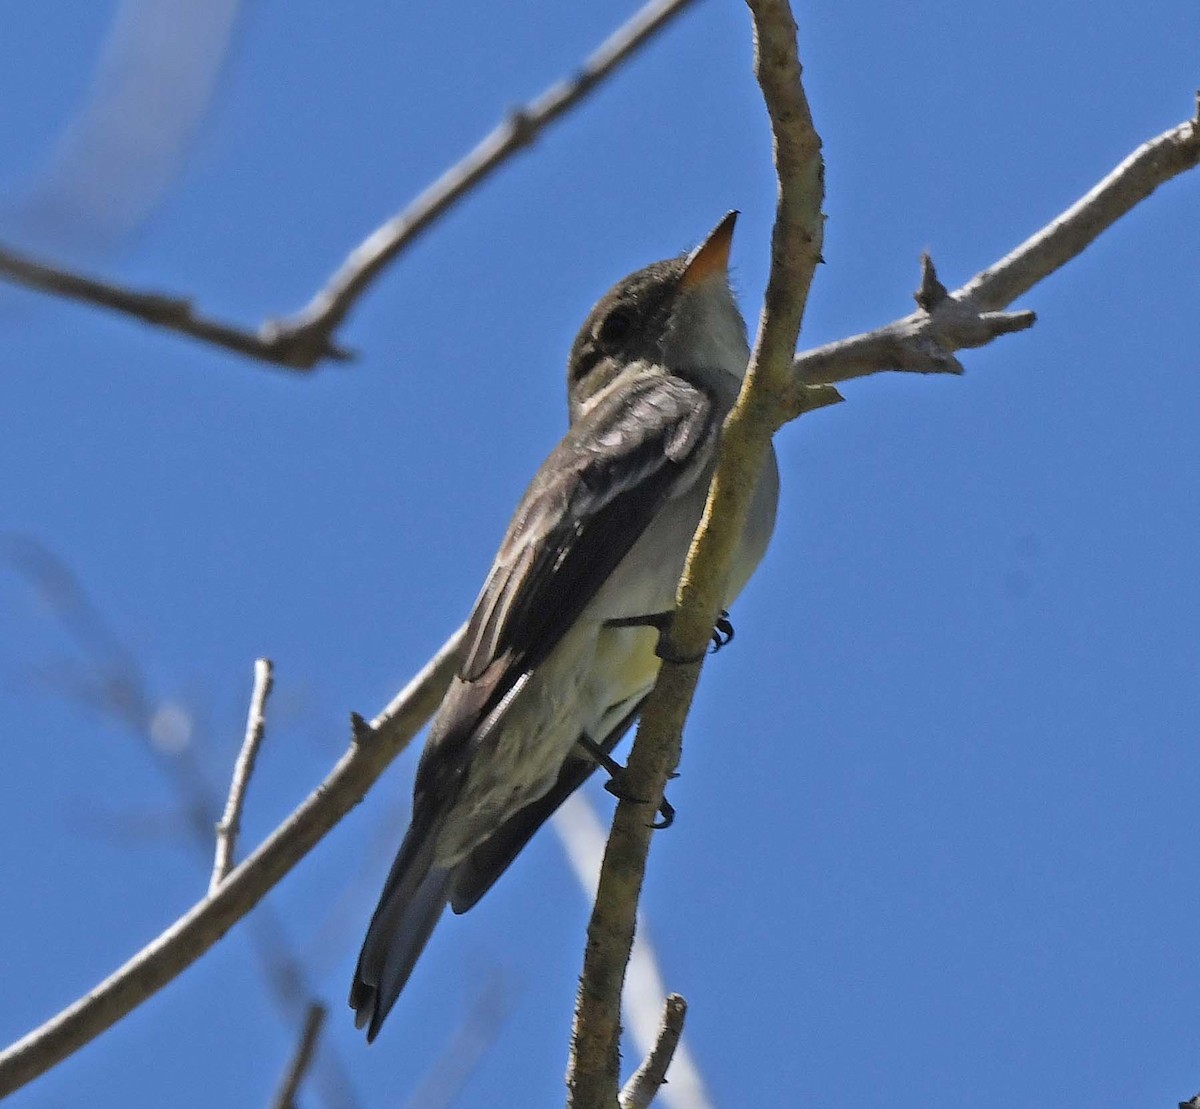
(307,339)
(973,314)
(166,957)
(923,342)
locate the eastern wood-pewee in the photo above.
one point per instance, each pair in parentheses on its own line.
(553,662)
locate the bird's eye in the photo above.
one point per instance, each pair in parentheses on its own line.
(616,327)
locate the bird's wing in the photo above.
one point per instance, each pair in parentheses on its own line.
(478,872)
(641,444)
(597,492)
(583,511)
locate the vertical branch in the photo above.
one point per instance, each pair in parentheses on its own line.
(307,339)
(230,823)
(766,401)
(582,836)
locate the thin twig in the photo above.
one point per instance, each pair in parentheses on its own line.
(205,923)
(231,821)
(306,1049)
(973,314)
(651,1076)
(592,1077)
(1066,237)
(457,1061)
(302,341)
(114,684)
(322,315)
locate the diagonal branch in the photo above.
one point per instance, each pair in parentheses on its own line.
(113,685)
(306,1050)
(159,310)
(231,820)
(306,339)
(454,1066)
(205,923)
(973,315)
(651,1076)
(795,250)
(923,342)
(322,315)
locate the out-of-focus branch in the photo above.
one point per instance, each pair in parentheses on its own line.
(306,339)
(231,821)
(649,1078)
(592,1077)
(205,923)
(109,680)
(973,315)
(795,244)
(306,1049)
(122,149)
(455,1064)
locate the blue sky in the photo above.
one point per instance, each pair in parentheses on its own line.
(935,840)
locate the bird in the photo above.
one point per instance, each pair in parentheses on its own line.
(562,646)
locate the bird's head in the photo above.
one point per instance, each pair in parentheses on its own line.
(680,314)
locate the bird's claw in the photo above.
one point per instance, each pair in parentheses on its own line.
(667,812)
(722,634)
(617,781)
(615,785)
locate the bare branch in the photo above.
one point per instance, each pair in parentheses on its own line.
(230,823)
(972,315)
(745,443)
(1149,166)
(205,923)
(322,315)
(649,1078)
(582,835)
(157,309)
(306,1049)
(306,339)
(923,342)
(114,685)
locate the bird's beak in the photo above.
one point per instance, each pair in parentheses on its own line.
(711,257)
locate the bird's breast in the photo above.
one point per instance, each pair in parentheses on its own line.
(646,579)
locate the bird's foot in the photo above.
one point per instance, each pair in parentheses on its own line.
(617,781)
(722,634)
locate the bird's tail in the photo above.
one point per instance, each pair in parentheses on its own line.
(412,900)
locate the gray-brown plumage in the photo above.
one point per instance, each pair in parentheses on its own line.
(600,535)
